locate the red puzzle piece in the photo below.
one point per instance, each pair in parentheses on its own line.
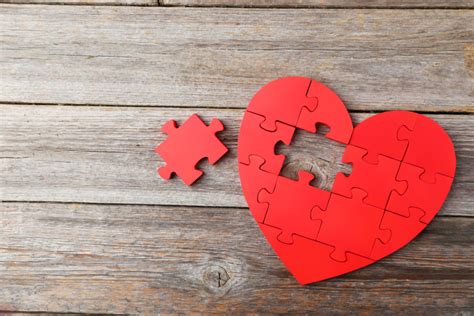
(261,180)
(290,206)
(430,148)
(377,180)
(308,260)
(281,100)
(350,225)
(187,145)
(378,135)
(330,111)
(350,228)
(428,197)
(262,143)
(403,229)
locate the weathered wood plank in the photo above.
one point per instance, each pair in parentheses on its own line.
(85,2)
(325,3)
(148,259)
(106,155)
(375,59)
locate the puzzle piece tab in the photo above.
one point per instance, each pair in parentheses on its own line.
(257,179)
(350,225)
(430,148)
(281,100)
(262,142)
(428,197)
(377,180)
(403,229)
(330,111)
(378,135)
(187,145)
(290,206)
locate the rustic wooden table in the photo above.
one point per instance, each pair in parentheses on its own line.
(87,226)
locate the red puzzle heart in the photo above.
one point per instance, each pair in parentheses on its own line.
(403,165)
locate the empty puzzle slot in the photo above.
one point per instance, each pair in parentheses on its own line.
(316,154)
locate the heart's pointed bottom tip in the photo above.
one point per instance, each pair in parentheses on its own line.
(310,261)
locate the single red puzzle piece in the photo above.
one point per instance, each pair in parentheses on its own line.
(330,111)
(281,100)
(187,145)
(428,197)
(308,260)
(430,148)
(262,143)
(350,225)
(378,135)
(260,180)
(378,180)
(290,206)
(404,229)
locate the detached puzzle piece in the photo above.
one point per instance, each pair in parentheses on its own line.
(330,111)
(256,179)
(187,145)
(281,100)
(262,142)
(429,197)
(290,206)
(378,135)
(430,148)
(308,260)
(350,225)
(403,229)
(378,180)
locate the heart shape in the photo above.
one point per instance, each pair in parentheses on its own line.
(403,165)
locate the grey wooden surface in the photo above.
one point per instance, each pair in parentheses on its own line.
(106,155)
(86,225)
(200,57)
(149,259)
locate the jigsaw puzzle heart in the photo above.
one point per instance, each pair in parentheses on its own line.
(403,165)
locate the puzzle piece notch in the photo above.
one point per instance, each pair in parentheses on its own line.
(378,135)
(290,206)
(262,143)
(186,145)
(426,196)
(350,225)
(404,229)
(430,148)
(378,180)
(330,111)
(281,100)
(256,179)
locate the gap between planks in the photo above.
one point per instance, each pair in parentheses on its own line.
(466,111)
(262,4)
(197,207)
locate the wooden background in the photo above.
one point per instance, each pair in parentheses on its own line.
(86,225)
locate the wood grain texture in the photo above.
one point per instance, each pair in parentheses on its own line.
(150,259)
(85,2)
(325,3)
(106,155)
(181,57)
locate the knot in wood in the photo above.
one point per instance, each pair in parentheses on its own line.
(215,277)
